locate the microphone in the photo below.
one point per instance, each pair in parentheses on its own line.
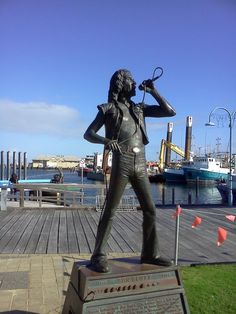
(145,82)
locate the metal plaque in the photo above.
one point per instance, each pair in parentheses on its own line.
(126,277)
(130,287)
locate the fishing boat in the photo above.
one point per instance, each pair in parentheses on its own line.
(205,169)
(156,178)
(96,176)
(223,188)
(84,171)
(174,175)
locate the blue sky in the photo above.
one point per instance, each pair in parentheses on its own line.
(57,57)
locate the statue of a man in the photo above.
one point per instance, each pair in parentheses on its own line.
(126,137)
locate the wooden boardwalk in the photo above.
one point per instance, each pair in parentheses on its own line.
(64,231)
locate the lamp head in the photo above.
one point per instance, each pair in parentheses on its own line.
(210,123)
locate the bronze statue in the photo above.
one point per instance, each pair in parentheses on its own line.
(126,137)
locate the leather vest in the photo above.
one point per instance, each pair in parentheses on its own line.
(113,117)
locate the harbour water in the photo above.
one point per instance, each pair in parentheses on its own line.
(182,192)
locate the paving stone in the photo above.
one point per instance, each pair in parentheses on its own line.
(14,280)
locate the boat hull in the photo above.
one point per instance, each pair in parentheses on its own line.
(156,178)
(84,172)
(224,192)
(97,176)
(223,188)
(174,175)
(204,175)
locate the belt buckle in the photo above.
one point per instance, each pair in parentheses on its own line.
(136,150)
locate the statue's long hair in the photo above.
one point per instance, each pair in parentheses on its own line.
(116,84)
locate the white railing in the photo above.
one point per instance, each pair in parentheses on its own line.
(65,195)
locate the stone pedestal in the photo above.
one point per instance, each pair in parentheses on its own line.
(130,287)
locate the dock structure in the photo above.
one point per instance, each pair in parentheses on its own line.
(38,247)
(68,231)
(12,166)
(188,137)
(169,140)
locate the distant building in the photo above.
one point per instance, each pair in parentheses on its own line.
(98,160)
(60,161)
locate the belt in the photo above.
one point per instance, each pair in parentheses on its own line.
(130,149)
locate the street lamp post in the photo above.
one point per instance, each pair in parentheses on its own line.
(231,119)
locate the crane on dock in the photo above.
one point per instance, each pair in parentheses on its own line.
(165,144)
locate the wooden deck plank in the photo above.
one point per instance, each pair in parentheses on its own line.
(16,232)
(82,241)
(53,234)
(34,238)
(206,234)
(73,231)
(44,236)
(10,232)
(166,234)
(193,242)
(22,243)
(128,224)
(112,244)
(62,234)
(8,223)
(72,238)
(6,216)
(118,243)
(126,240)
(133,220)
(92,224)
(208,228)
(89,234)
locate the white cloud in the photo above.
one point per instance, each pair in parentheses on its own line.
(40,118)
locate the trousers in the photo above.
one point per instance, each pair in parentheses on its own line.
(129,167)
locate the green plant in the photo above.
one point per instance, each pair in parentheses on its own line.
(210,288)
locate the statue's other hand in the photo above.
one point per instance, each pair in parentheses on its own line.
(113,146)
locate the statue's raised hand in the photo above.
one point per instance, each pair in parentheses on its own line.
(147,86)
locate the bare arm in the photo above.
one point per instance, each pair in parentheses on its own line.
(91,132)
(164,109)
(92,136)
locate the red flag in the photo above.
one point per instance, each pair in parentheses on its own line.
(196,222)
(222,235)
(231,217)
(177,212)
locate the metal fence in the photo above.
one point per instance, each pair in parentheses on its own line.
(87,196)
(127,203)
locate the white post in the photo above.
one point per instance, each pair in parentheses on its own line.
(3,198)
(230,195)
(177,239)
